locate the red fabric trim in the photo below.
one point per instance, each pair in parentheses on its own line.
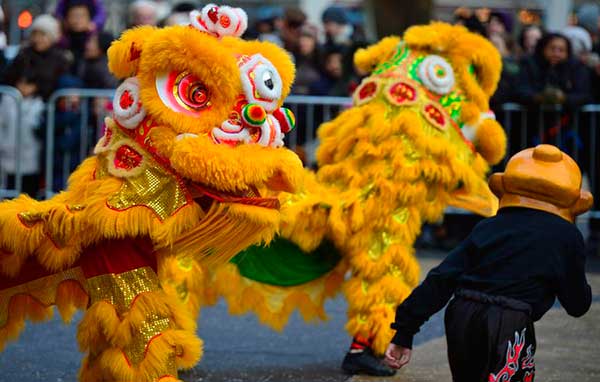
(117,256)
(112,256)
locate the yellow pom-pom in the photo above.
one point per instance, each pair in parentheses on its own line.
(490,141)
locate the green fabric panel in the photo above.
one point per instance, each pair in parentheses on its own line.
(283,263)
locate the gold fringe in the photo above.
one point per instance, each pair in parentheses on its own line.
(274,304)
(221,235)
(22,307)
(187,281)
(70,297)
(107,336)
(34,301)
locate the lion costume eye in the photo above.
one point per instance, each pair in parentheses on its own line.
(261,81)
(192,92)
(183,93)
(436,74)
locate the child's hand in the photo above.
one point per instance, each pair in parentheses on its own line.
(397,356)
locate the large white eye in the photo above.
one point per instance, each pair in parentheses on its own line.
(183,92)
(261,82)
(437,74)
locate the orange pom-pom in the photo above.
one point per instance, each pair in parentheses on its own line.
(490,141)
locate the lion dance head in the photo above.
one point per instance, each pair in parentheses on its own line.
(203,107)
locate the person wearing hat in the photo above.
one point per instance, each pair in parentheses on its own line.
(40,55)
(500,22)
(507,273)
(337,29)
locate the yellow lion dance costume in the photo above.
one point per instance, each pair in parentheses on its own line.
(420,137)
(194,142)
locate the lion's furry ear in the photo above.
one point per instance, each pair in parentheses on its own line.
(124,53)
(367,59)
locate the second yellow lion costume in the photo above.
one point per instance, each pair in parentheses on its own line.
(420,137)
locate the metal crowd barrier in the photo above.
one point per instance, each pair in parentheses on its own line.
(310,112)
(14,189)
(524,128)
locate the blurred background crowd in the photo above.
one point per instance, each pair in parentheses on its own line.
(56,44)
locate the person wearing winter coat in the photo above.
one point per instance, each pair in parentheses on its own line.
(40,55)
(26,155)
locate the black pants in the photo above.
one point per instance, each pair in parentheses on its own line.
(490,339)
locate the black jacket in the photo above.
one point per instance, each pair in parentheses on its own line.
(524,254)
(44,67)
(572,77)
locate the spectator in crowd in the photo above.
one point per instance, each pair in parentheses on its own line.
(469,19)
(143,12)
(307,61)
(580,39)
(552,75)
(67,133)
(268,25)
(510,70)
(337,29)
(180,14)
(528,39)
(96,74)
(588,17)
(41,55)
(293,21)
(96,23)
(77,29)
(27,154)
(500,23)
(498,29)
(330,82)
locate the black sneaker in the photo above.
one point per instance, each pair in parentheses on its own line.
(366,362)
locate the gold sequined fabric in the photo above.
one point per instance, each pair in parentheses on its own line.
(43,290)
(153,188)
(121,290)
(148,184)
(152,327)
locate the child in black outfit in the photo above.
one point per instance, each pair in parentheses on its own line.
(507,273)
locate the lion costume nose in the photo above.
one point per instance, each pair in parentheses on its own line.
(254,115)
(272,126)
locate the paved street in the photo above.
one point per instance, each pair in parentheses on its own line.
(239,349)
